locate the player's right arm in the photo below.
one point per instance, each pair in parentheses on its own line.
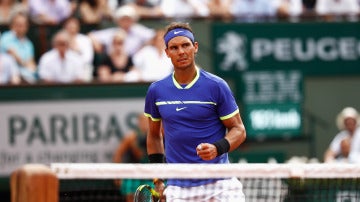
(155,149)
(155,146)
(154,138)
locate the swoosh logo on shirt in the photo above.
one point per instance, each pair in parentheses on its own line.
(177,32)
(179,109)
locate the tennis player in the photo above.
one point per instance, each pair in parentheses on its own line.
(200,120)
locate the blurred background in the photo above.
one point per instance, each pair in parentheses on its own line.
(74,73)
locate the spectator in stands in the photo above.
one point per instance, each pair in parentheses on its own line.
(50,12)
(309,6)
(132,149)
(8,8)
(9,71)
(147,3)
(219,9)
(345,146)
(171,9)
(331,10)
(347,122)
(114,4)
(94,11)
(16,43)
(151,60)
(189,8)
(289,8)
(117,66)
(253,10)
(81,44)
(147,8)
(126,19)
(61,64)
(354,153)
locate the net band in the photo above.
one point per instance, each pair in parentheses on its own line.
(257,182)
(201,171)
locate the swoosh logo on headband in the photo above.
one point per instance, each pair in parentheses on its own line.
(177,32)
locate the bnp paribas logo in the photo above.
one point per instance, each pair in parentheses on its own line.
(233,46)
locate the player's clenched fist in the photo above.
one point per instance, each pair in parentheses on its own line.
(206,151)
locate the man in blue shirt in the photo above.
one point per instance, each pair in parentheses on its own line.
(16,43)
(200,120)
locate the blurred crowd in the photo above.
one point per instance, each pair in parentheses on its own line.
(127,51)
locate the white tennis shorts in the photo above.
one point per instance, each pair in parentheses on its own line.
(228,190)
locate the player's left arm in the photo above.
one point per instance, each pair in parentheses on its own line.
(236,131)
(234,137)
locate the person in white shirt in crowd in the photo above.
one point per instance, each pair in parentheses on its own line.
(289,8)
(184,8)
(331,10)
(354,153)
(253,10)
(219,9)
(179,9)
(81,44)
(9,71)
(152,61)
(49,12)
(126,18)
(61,64)
(347,121)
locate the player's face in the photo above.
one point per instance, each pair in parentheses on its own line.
(182,52)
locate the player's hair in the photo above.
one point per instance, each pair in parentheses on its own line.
(176,25)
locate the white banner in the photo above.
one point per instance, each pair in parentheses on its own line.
(63,131)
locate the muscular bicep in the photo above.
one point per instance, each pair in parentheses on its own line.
(154,140)
(154,127)
(236,131)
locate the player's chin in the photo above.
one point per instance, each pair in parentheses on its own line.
(183,64)
(183,61)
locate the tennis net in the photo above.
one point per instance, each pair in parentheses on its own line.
(261,182)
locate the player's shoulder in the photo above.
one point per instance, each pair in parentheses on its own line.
(212,78)
(162,82)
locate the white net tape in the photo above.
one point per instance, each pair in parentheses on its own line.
(139,171)
(261,182)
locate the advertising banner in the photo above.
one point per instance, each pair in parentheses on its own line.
(313,48)
(64,131)
(272,103)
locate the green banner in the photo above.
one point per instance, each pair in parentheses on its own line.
(272,102)
(313,48)
(273,120)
